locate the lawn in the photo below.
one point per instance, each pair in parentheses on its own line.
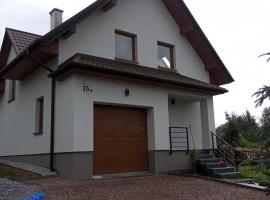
(248,171)
(8,172)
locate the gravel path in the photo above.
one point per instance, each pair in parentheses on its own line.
(159,187)
(11,190)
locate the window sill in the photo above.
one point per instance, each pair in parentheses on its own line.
(126,60)
(167,69)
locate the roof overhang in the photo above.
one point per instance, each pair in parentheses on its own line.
(87,64)
(22,65)
(5,51)
(2,85)
(191,30)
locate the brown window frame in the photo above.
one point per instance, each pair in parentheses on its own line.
(11,91)
(172,55)
(134,46)
(39,119)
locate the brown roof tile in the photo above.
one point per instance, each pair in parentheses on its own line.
(21,40)
(107,66)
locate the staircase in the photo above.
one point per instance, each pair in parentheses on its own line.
(222,162)
(209,165)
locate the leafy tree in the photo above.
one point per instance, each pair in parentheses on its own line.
(248,127)
(240,130)
(231,133)
(266,146)
(265,124)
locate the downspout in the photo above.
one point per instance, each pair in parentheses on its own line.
(52,123)
(53,86)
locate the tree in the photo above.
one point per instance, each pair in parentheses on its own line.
(265,124)
(264,92)
(240,129)
(229,130)
(261,95)
(248,127)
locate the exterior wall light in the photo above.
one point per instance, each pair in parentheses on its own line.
(127,92)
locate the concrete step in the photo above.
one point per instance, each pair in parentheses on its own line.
(221,170)
(205,156)
(214,165)
(229,175)
(211,160)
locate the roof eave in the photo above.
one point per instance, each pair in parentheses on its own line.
(200,31)
(73,64)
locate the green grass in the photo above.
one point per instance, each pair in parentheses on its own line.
(6,172)
(248,172)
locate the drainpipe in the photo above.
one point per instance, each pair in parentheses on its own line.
(53,83)
(52,123)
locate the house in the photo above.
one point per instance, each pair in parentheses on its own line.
(122,86)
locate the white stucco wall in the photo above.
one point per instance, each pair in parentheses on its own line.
(17,118)
(112,92)
(185,113)
(74,131)
(150,20)
(208,121)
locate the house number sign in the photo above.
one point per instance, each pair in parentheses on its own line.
(86,87)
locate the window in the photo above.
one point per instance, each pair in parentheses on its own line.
(39,116)
(11,90)
(166,55)
(125,46)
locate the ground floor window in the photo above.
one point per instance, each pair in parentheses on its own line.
(39,116)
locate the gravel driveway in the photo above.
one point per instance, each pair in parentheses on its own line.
(11,190)
(159,187)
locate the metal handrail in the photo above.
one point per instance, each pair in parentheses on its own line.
(232,153)
(223,141)
(179,130)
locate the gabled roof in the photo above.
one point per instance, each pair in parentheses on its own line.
(91,64)
(188,27)
(20,39)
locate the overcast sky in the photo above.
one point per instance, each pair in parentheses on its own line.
(238,29)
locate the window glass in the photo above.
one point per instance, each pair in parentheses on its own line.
(124,47)
(165,56)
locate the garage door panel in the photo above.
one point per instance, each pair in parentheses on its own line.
(116,126)
(120,140)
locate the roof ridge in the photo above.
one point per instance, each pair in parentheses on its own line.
(12,29)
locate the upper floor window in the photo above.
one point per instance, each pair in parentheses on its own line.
(11,90)
(166,57)
(125,46)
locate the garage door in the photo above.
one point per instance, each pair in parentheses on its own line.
(120,140)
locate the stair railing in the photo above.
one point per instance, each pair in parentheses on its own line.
(224,150)
(179,139)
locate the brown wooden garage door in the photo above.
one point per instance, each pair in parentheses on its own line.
(120,140)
